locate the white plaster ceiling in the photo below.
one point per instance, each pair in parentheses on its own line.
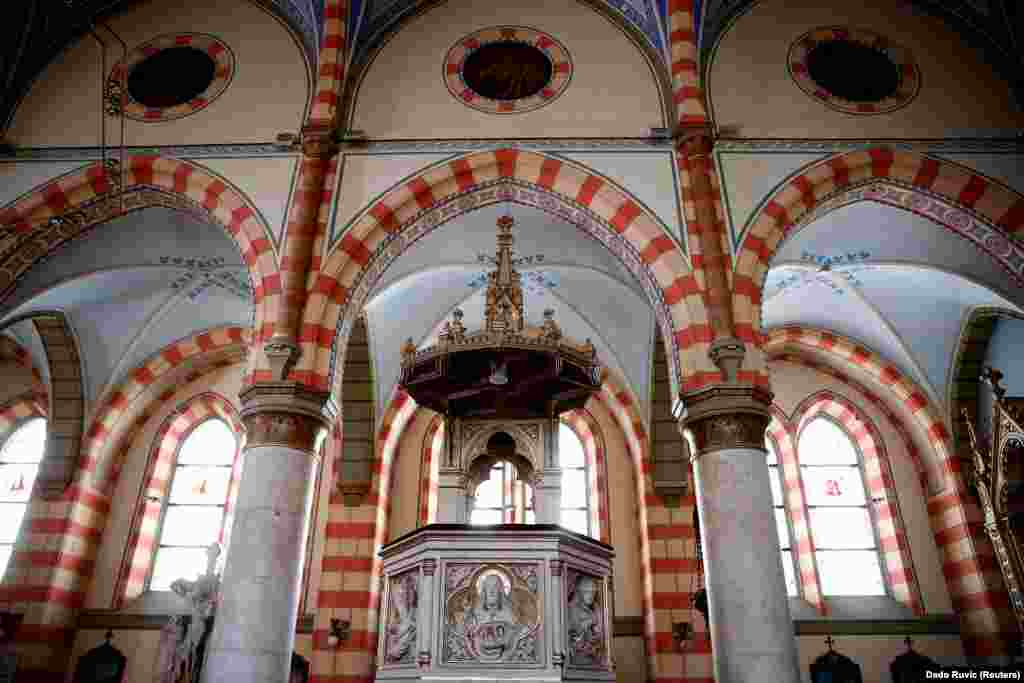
(593,296)
(134,285)
(895,282)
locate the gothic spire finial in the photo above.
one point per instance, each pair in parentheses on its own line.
(504,310)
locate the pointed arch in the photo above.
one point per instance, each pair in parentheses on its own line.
(38,222)
(976,207)
(419,205)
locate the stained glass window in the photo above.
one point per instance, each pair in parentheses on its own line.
(846,549)
(575,482)
(19,464)
(194,510)
(781,523)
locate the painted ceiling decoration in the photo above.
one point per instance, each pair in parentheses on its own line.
(37,31)
(376,18)
(174,75)
(984,24)
(507,70)
(854,71)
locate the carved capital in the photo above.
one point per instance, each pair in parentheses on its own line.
(726,417)
(429,567)
(556,567)
(285,414)
(727,354)
(282,353)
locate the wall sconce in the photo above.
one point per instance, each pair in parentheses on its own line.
(339,632)
(681,631)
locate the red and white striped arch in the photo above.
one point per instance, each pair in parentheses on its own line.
(213,196)
(143,534)
(416,206)
(790,207)
(969,564)
(893,544)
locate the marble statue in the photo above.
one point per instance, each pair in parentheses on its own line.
(201,599)
(400,643)
(584,623)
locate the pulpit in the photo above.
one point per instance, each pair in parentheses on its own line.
(510,602)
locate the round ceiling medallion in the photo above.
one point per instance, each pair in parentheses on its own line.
(173,76)
(507,70)
(854,71)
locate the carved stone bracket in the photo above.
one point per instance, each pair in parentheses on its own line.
(726,417)
(282,354)
(318,142)
(285,414)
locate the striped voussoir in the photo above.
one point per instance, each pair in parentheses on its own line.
(12,352)
(588,431)
(667,553)
(430,454)
(341,286)
(144,530)
(330,78)
(687,91)
(51,586)
(787,208)
(351,570)
(969,565)
(782,432)
(892,538)
(223,203)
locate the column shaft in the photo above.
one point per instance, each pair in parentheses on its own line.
(254,627)
(751,627)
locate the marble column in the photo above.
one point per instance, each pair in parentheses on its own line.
(254,628)
(751,627)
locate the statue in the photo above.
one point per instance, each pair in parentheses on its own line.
(201,598)
(400,644)
(584,623)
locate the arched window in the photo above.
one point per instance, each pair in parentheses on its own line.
(846,548)
(781,519)
(503,499)
(19,463)
(575,482)
(193,517)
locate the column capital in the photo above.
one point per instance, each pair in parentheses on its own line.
(285,414)
(724,417)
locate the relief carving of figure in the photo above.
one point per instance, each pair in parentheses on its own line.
(201,598)
(492,621)
(585,624)
(400,642)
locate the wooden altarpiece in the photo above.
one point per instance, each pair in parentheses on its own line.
(996,476)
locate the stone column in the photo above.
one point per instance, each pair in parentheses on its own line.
(555,606)
(424,635)
(547,493)
(751,628)
(254,629)
(452,498)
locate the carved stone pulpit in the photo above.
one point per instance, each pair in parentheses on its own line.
(508,603)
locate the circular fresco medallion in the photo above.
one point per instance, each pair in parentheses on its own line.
(854,71)
(507,69)
(173,76)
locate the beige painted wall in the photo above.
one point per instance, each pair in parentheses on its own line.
(405,476)
(792,384)
(752,93)
(142,648)
(630,660)
(227,382)
(612,93)
(874,654)
(267,96)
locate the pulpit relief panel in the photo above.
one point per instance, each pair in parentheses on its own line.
(492,614)
(401,629)
(586,630)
